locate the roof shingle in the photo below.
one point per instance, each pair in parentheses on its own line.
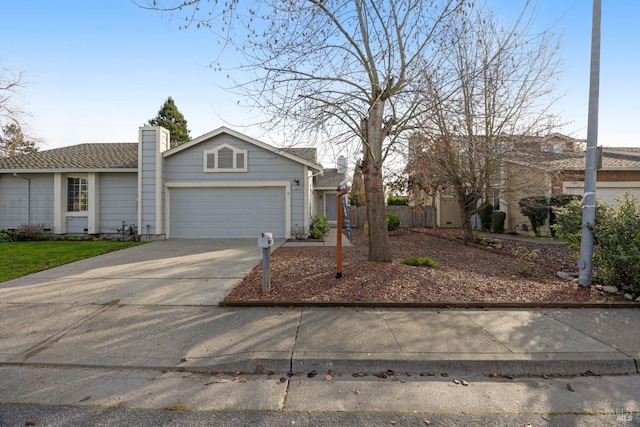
(122,155)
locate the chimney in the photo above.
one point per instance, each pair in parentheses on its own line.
(342,164)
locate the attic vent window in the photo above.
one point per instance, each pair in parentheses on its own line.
(225,158)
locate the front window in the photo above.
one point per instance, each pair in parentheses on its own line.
(225,158)
(77,194)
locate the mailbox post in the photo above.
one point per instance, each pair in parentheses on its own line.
(265,241)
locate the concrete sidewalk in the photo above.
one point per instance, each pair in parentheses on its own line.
(346,340)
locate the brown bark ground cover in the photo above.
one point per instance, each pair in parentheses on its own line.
(469,274)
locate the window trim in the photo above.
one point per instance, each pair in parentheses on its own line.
(234,168)
(80,211)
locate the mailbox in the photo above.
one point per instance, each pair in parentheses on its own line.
(265,240)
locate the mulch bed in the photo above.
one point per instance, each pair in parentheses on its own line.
(470,275)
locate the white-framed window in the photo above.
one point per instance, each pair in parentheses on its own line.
(77,194)
(225,158)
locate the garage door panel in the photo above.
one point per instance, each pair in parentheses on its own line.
(226,212)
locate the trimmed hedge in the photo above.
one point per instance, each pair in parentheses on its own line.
(497,221)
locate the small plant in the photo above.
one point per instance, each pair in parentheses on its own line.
(393,221)
(298,232)
(32,233)
(421,261)
(526,257)
(319,227)
(480,239)
(365,228)
(8,235)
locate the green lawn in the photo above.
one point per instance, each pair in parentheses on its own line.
(21,258)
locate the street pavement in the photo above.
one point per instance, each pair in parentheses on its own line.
(140,328)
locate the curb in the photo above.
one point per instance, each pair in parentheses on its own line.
(444,304)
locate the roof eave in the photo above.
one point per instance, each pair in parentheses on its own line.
(69,170)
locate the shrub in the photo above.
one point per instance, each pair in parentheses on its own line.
(618,237)
(421,261)
(319,227)
(536,208)
(497,221)
(32,232)
(568,224)
(393,221)
(8,235)
(485,218)
(557,201)
(397,200)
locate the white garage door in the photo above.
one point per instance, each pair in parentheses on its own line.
(226,212)
(608,192)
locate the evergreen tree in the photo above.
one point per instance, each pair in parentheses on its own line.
(13,141)
(169,117)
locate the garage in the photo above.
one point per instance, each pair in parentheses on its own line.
(607,192)
(227,212)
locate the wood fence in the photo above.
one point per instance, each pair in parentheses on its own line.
(408,218)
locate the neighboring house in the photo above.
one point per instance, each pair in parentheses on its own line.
(558,172)
(326,190)
(544,166)
(220,185)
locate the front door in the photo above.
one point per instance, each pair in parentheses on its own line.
(331,208)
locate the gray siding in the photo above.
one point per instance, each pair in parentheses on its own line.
(16,211)
(263,165)
(118,201)
(77,224)
(148,177)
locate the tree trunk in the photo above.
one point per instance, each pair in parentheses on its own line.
(465,217)
(373,185)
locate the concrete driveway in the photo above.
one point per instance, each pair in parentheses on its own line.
(169,272)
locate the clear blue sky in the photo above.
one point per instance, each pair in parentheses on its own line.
(97,70)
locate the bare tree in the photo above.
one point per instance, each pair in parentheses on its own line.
(493,91)
(347,71)
(10,83)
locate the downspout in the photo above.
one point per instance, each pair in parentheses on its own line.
(28,196)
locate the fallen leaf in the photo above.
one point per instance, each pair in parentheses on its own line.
(184,359)
(283,379)
(84,399)
(464,383)
(312,374)
(33,422)
(393,422)
(328,377)
(181,369)
(456,381)
(259,369)
(569,387)
(243,380)
(493,374)
(330,372)
(358,392)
